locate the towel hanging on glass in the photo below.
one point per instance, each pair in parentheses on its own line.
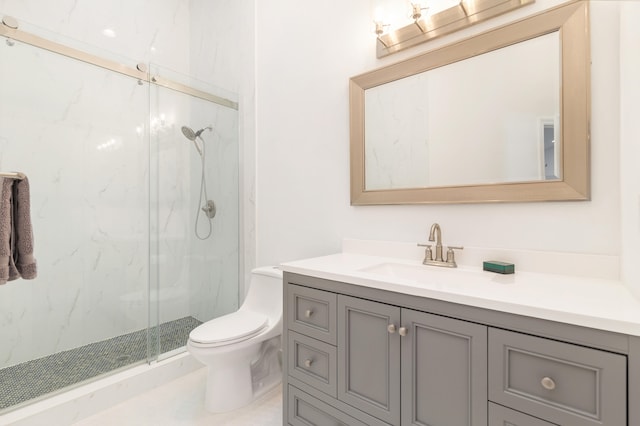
(16,232)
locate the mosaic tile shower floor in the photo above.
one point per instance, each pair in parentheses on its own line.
(32,379)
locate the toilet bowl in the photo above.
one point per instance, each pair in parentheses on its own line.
(242,349)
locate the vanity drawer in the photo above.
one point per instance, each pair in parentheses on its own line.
(312,312)
(502,416)
(312,362)
(558,382)
(305,410)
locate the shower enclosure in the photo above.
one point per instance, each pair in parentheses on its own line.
(115,196)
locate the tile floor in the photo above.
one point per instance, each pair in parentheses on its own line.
(32,379)
(181,402)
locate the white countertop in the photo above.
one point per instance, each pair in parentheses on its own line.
(591,302)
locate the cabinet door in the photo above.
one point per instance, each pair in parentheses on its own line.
(369,357)
(444,371)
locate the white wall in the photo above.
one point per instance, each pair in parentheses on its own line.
(630,141)
(305,57)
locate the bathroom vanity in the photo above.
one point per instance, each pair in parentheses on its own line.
(370,340)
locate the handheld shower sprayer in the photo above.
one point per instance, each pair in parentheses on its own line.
(209,207)
(192,136)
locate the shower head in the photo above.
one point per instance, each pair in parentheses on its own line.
(191,135)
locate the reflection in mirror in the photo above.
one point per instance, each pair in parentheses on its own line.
(499,117)
(469,122)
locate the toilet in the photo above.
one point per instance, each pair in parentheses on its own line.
(242,350)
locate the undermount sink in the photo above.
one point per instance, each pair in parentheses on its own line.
(424,274)
(402,271)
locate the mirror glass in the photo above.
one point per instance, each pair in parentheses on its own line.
(499,117)
(469,122)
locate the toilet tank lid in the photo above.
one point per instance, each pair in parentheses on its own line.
(270,271)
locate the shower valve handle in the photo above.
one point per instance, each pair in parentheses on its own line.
(209,209)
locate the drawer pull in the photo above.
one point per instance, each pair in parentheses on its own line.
(308,313)
(402,331)
(391,328)
(308,362)
(548,383)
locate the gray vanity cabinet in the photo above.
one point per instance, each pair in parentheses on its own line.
(361,356)
(383,351)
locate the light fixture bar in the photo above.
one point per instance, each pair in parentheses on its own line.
(465,14)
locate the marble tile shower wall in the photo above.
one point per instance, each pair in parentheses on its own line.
(87,155)
(90,224)
(214,262)
(198,277)
(145,30)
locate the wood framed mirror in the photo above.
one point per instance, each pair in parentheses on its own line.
(500,117)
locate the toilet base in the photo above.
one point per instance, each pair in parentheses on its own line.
(237,378)
(228,388)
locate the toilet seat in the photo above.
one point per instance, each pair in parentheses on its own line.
(228,329)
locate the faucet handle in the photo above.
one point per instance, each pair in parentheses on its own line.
(451,256)
(427,252)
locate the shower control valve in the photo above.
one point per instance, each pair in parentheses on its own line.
(210,209)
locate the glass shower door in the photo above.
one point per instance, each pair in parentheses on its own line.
(77,131)
(194,214)
(128,263)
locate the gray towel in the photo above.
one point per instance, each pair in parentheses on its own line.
(6,224)
(16,232)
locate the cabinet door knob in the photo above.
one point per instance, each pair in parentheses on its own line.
(402,331)
(308,313)
(548,383)
(308,362)
(391,328)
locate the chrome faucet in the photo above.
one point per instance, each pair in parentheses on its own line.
(435,235)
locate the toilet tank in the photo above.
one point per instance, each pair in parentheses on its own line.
(265,291)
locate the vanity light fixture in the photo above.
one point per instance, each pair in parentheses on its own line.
(416,14)
(425,27)
(380,27)
(416,11)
